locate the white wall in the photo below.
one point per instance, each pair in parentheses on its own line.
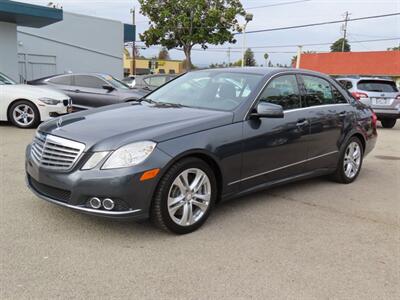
(8,50)
(79,43)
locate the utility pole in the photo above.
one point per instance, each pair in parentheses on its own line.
(346,19)
(299,50)
(133,63)
(229,56)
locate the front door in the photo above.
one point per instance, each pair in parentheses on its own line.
(274,149)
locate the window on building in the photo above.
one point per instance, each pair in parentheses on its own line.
(283,91)
(171,71)
(89,81)
(318,91)
(161,71)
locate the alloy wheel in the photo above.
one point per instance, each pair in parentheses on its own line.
(189,197)
(23,115)
(352,160)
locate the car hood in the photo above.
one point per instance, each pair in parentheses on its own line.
(37,92)
(109,127)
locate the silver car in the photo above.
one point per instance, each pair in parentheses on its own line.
(381,94)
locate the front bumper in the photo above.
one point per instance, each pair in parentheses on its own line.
(74,188)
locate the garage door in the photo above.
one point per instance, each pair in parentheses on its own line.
(33,66)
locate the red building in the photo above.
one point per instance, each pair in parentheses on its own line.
(374,63)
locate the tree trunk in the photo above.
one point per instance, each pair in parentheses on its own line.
(188,50)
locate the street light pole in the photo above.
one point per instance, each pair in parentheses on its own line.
(133,63)
(248,18)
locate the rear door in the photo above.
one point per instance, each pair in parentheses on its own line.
(275,149)
(89,92)
(330,118)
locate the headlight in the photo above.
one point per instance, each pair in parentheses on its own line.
(94,160)
(129,155)
(49,101)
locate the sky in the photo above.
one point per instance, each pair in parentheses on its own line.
(279,13)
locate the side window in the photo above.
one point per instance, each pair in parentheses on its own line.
(157,80)
(318,91)
(89,81)
(283,91)
(337,96)
(63,80)
(346,84)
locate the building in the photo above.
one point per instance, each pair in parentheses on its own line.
(373,63)
(37,41)
(155,66)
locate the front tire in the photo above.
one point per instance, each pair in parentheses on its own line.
(185,196)
(24,114)
(350,162)
(388,123)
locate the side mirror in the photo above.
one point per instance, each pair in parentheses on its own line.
(268,110)
(108,88)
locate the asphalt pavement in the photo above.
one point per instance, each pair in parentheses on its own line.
(314,239)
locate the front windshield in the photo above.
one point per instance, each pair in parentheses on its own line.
(115,82)
(208,89)
(5,80)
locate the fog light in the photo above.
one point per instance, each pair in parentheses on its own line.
(108,204)
(95,202)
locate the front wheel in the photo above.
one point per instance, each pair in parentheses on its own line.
(185,196)
(24,114)
(350,161)
(388,123)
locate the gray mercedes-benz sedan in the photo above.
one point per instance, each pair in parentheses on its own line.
(205,136)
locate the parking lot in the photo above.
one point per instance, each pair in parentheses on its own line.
(314,239)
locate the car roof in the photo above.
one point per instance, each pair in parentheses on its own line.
(364,78)
(266,71)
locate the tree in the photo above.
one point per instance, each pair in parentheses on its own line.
(185,23)
(394,48)
(294,58)
(338,46)
(163,54)
(249,59)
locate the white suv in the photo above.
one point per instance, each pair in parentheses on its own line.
(381,94)
(26,106)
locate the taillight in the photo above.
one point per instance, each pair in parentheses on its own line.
(359,96)
(398,97)
(374,119)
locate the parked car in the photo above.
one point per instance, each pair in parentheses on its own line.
(89,90)
(198,140)
(26,106)
(381,94)
(151,82)
(130,81)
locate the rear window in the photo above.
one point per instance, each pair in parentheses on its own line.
(377,86)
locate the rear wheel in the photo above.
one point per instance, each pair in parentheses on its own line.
(24,114)
(388,123)
(185,196)
(350,162)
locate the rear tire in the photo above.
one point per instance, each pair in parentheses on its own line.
(388,123)
(185,196)
(350,162)
(24,114)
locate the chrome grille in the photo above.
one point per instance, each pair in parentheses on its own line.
(53,152)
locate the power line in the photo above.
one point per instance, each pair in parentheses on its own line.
(320,23)
(314,44)
(277,4)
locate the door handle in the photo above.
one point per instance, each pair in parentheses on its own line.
(342,114)
(302,122)
(77,91)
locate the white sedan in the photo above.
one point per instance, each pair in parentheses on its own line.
(26,106)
